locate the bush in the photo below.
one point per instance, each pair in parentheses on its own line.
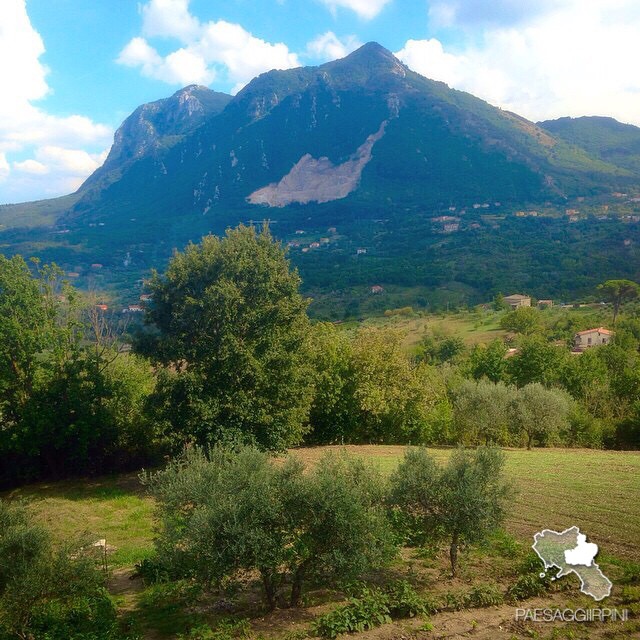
(225,630)
(527,586)
(484,595)
(369,610)
(47,593)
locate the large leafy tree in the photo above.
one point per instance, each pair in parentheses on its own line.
(232,327)
(618,292)
(27,328)
(394,398)
(333,419)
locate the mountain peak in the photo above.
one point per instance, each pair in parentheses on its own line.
(366,65)
(191,88)
(372,50)
(371,55)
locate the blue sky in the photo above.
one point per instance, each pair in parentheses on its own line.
(72,70)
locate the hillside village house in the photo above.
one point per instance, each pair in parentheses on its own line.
(545,304)
(376,289)
(517,300)
(583,340)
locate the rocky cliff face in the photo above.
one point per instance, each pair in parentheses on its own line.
(156,126)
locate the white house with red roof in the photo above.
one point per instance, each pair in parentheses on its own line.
(584,340)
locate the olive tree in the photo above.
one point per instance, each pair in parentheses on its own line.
(537,414)
(461,502)
(230,513)
(481,412)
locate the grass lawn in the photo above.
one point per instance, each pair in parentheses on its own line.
(115,509)
(599,491)
(471,327)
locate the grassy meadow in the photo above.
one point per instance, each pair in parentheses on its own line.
(599,491)
(556,488)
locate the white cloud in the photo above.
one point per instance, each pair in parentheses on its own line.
(209,50)
(579,59)
(31,166)
(366,9)
(171,19)
(64,170)
(25,128)
(181,67)
(449,13)
(4,167)
(429,58)
(328,46)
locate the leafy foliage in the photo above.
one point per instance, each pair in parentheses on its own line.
(50,593)
(372,608)
(69,401)
(231,328)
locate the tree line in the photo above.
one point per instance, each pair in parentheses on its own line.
(228,355)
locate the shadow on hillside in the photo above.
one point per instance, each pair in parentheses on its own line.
(102,488)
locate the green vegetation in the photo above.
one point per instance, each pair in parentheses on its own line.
(68,398)
(47,592)
(228,514)
(228,370)
(462,502)
(372,607)
(231,331)
(549,483)
(617,292)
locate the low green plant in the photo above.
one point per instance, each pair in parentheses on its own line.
(405,602)
(526,586)
(504,545)
(225,630)
(373,607)
(454,600)
(370,610)
(484,595)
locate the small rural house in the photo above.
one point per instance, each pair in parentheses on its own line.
(545,304)
(583,340)
(376,289)
(517,300)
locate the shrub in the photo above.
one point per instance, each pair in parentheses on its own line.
(527,586)
(484,595)
(404,602)
(47,593)
(369,610)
